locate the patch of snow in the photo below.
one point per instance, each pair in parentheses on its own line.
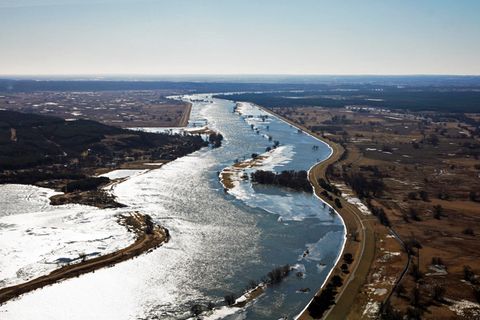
(380,291)
(465,308)
(122,173)
(371,309)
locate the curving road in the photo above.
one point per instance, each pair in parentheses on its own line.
(363,250)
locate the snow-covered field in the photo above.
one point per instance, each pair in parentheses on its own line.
(122,173)
(36,238)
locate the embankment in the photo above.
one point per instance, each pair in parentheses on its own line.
(362,246)
(149,236)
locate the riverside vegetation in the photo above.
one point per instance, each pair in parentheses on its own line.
(297,180)
(51,152)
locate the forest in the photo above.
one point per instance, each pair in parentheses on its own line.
(42,148)
(297,180)
(430,98)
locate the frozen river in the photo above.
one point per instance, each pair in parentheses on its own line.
(220,240)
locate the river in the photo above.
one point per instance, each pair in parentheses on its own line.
(220,240)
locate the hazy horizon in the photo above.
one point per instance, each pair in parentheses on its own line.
(231,38)
(228,75)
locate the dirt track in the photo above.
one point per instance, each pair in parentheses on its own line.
(183,122)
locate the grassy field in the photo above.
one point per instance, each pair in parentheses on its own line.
(428,164)
(362,234)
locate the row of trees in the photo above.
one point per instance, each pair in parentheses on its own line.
(297,180)
(90,183)
(363,186)
(379,213)
(442,195)
(32,176)
(329,187)
(326,298)
(275,276)
(413,214)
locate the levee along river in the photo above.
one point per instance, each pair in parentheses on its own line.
(220,240)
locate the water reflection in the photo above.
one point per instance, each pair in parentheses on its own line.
(219,241)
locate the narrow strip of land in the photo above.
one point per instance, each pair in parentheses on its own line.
(362,248)
(148,237)
(183,122)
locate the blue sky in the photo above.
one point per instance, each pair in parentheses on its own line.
(239,37)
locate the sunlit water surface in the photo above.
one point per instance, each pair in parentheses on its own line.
(220,241)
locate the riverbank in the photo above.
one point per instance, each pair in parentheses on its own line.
(359,242)
(94,198)
(149,237)
(230,175)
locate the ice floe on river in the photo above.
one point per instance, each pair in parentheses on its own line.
(36,237)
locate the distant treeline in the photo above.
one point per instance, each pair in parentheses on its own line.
(237,83)
(8,85)
(297,180)
(423,98)
(450,94)
(33,176)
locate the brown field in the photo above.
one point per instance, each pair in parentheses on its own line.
(119,108)
(362,233)
(415,155)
